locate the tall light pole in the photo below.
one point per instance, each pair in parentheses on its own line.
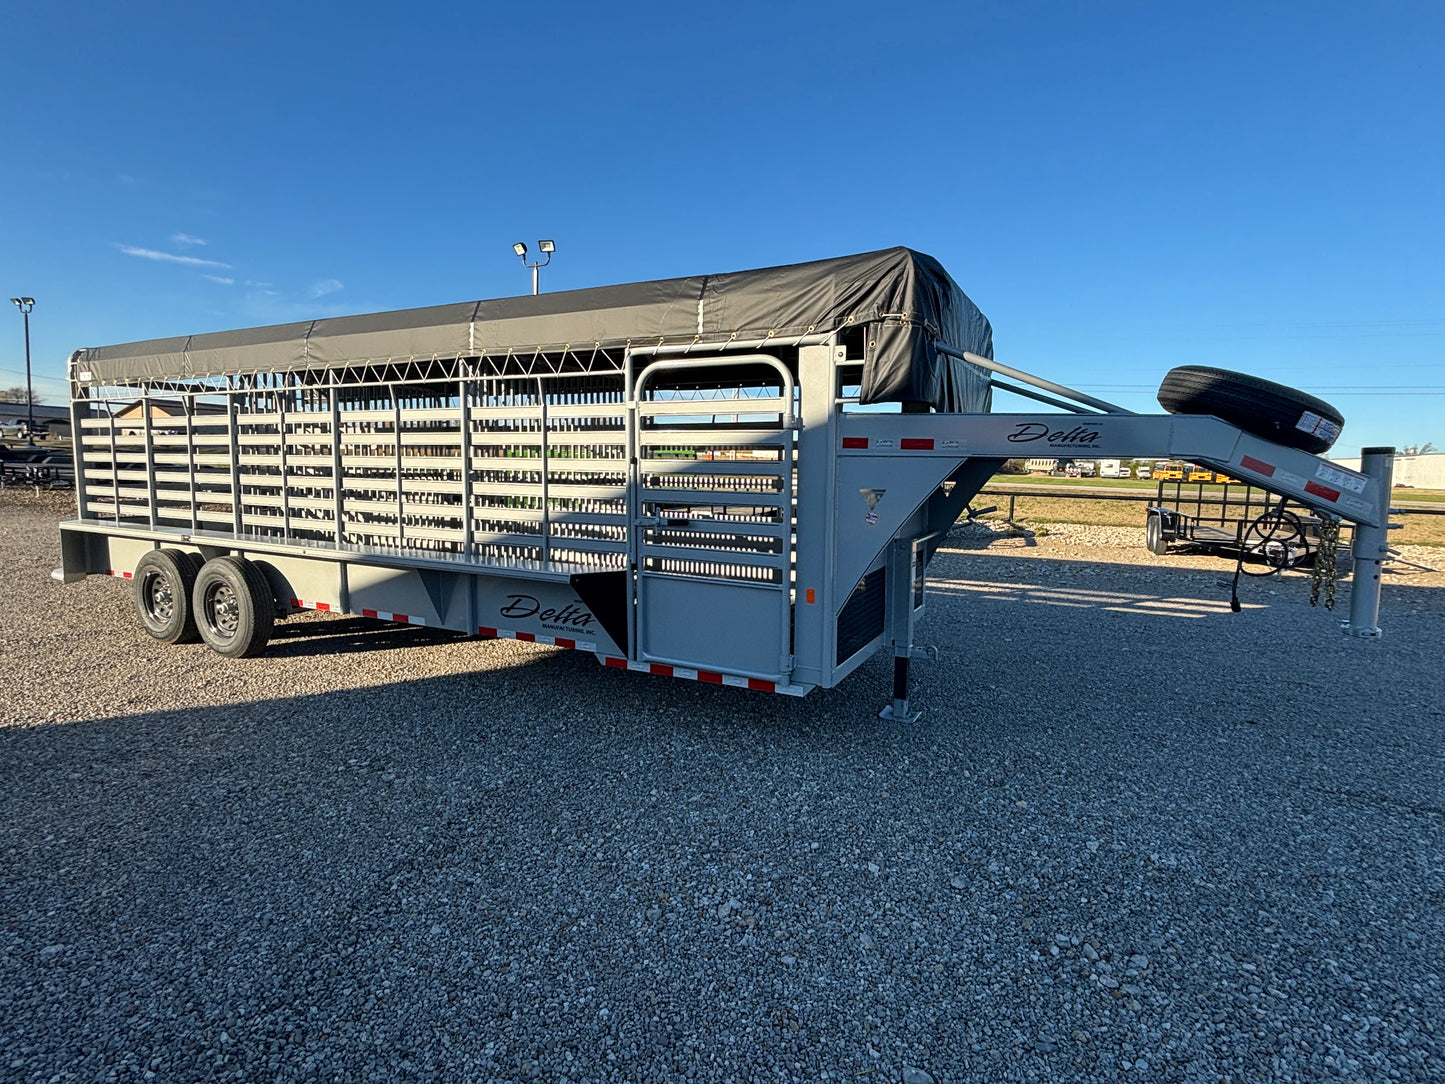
(25,304)
(546,248)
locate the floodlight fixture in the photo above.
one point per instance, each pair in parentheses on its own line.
(546,248)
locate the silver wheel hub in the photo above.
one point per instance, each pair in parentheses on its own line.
(160,597)
(223,610)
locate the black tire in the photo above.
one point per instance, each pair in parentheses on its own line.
(1154,540)
(1261,407)
(233,607)
(161,586)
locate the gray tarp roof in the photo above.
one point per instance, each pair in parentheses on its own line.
(908,297)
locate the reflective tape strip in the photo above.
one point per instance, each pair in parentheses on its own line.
(488,633)
(1322,491)
(916,444)
(301,604)
(855,442)
(400,619)
(711,677)
(1258,466)
(120,575)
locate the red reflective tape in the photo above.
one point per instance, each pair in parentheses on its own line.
(325,606)
(529,637)
(561,642)
(760,685)
(616,664)
(400,619)
(490,634)
(1322,491)
(127,575)
(855,442)
(297,603)
(659,668)
(710,677)
(368,613)
(916,444)
(1266,469)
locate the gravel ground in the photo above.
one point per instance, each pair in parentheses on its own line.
(1134,836)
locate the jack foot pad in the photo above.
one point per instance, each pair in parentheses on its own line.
(897,713)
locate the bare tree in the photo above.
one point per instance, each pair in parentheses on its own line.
(17,395)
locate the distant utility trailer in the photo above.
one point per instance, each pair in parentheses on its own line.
(676,476)
(1227,521)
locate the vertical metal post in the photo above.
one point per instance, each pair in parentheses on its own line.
(899,608)
(281,397)
(542,454)
(468,531)
(338,469)
(814,617)
(150,457)
(634,505)
(114,468)
(233,438)
(1370,548)
(78,396)
(400,487)
(189,403)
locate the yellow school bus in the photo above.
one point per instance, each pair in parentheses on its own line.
(1171,472)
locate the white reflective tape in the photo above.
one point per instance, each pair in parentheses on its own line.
(1339,476)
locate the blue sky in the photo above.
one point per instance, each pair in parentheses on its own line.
(1121,187)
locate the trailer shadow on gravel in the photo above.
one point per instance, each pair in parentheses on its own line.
(342,635)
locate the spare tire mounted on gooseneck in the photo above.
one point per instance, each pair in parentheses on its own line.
(1261,407)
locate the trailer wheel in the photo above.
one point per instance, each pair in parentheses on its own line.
(234,608)
(1154,540)
(161,587)
(1261,407)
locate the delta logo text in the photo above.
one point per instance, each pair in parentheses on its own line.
(570,617)
(1056,438)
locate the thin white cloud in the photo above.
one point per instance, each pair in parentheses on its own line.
(221,279)
(326,286)
(260,285)
(187,239)
(169,257)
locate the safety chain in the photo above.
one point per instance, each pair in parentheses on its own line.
(1326,567)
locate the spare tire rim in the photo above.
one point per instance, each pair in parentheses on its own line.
(159,595)
(223,610)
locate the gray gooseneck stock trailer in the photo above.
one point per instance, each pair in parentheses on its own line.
(737,478)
